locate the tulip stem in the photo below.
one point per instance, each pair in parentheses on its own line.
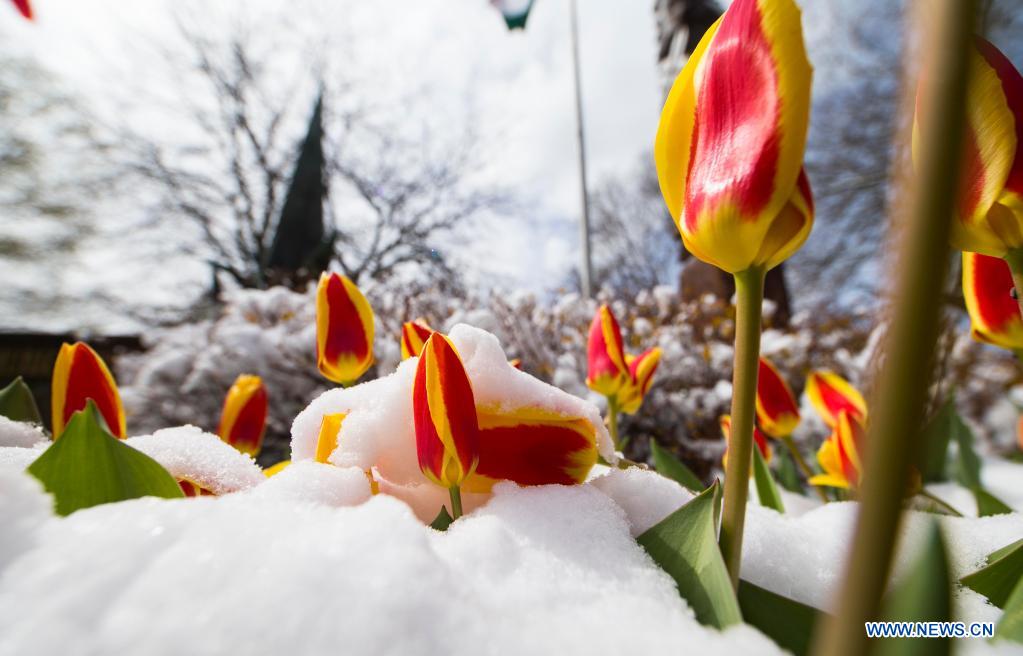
(1014,258)
(790,444)
(456,501)
(749,299)
(612,420)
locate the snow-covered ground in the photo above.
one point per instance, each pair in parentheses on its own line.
(310,561)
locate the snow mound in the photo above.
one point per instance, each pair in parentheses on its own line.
(20,433)
(314,482)
(538,570)
(24,506)
(378,431)
(644,495)
(188,452)
(19,458)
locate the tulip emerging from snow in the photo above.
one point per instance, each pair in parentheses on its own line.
(413,336)
(831,394)
(839,455)
(243,420)
(729,156)
(605,355)
(994,313)
(641,375)
(344,329)
(24,8)
(444,410)
(79,375)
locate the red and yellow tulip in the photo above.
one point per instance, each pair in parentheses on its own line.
(327,440)
(193,489)
(413,336)
(990,205)
(24,8)
(606,357)
(839,455)
(344,329)
(532,446)
(444,410)
(994,313)
(78,376)
(243,419)
(641,375)
(831,394)
(729,148)
(758,438)
(777,409)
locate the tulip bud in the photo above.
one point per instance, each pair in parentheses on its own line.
(79,375)
(729,147)
(990,204)
(344,329)
(444,409)
(413,335)
(994,313)
(243,420)
(830,394)
(641,377)
(758,438)
(607,368)
(777,410)
(839,455)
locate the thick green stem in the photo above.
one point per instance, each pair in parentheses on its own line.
(612,420)
(1015,260)
(749,298)
(897,408)
(456,501)
(802,464)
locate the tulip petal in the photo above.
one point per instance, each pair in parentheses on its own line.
(830,394)
(24,8)
(532,446)
(641,377)
(193,489)
(729,147)
(413,336)
(243,420)
(447,429)
(987,290)
(777,409)
(80,374)
(344,329)
(327,441)
(606,355)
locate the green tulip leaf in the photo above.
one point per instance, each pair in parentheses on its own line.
(442,521)
(87,466)
(788,474)
(18,404)
(1010,626)
(786,621)
(685,546)
(967,462)
(671,467)
(997,579)
(924,595)
(988,504)
(937,435)
(767,491)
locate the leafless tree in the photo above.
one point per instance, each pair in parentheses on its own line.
(391,194)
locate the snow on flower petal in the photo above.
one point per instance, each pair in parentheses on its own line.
(200,459)
(79,375)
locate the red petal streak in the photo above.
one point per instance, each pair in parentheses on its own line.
(24,8)
(735,145)
(246,434)
(534,454)
(993,291)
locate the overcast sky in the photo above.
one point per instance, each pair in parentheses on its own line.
(520,82)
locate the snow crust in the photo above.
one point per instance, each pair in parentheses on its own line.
(203,458)
(18,433)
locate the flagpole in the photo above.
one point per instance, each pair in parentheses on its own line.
(586,268)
